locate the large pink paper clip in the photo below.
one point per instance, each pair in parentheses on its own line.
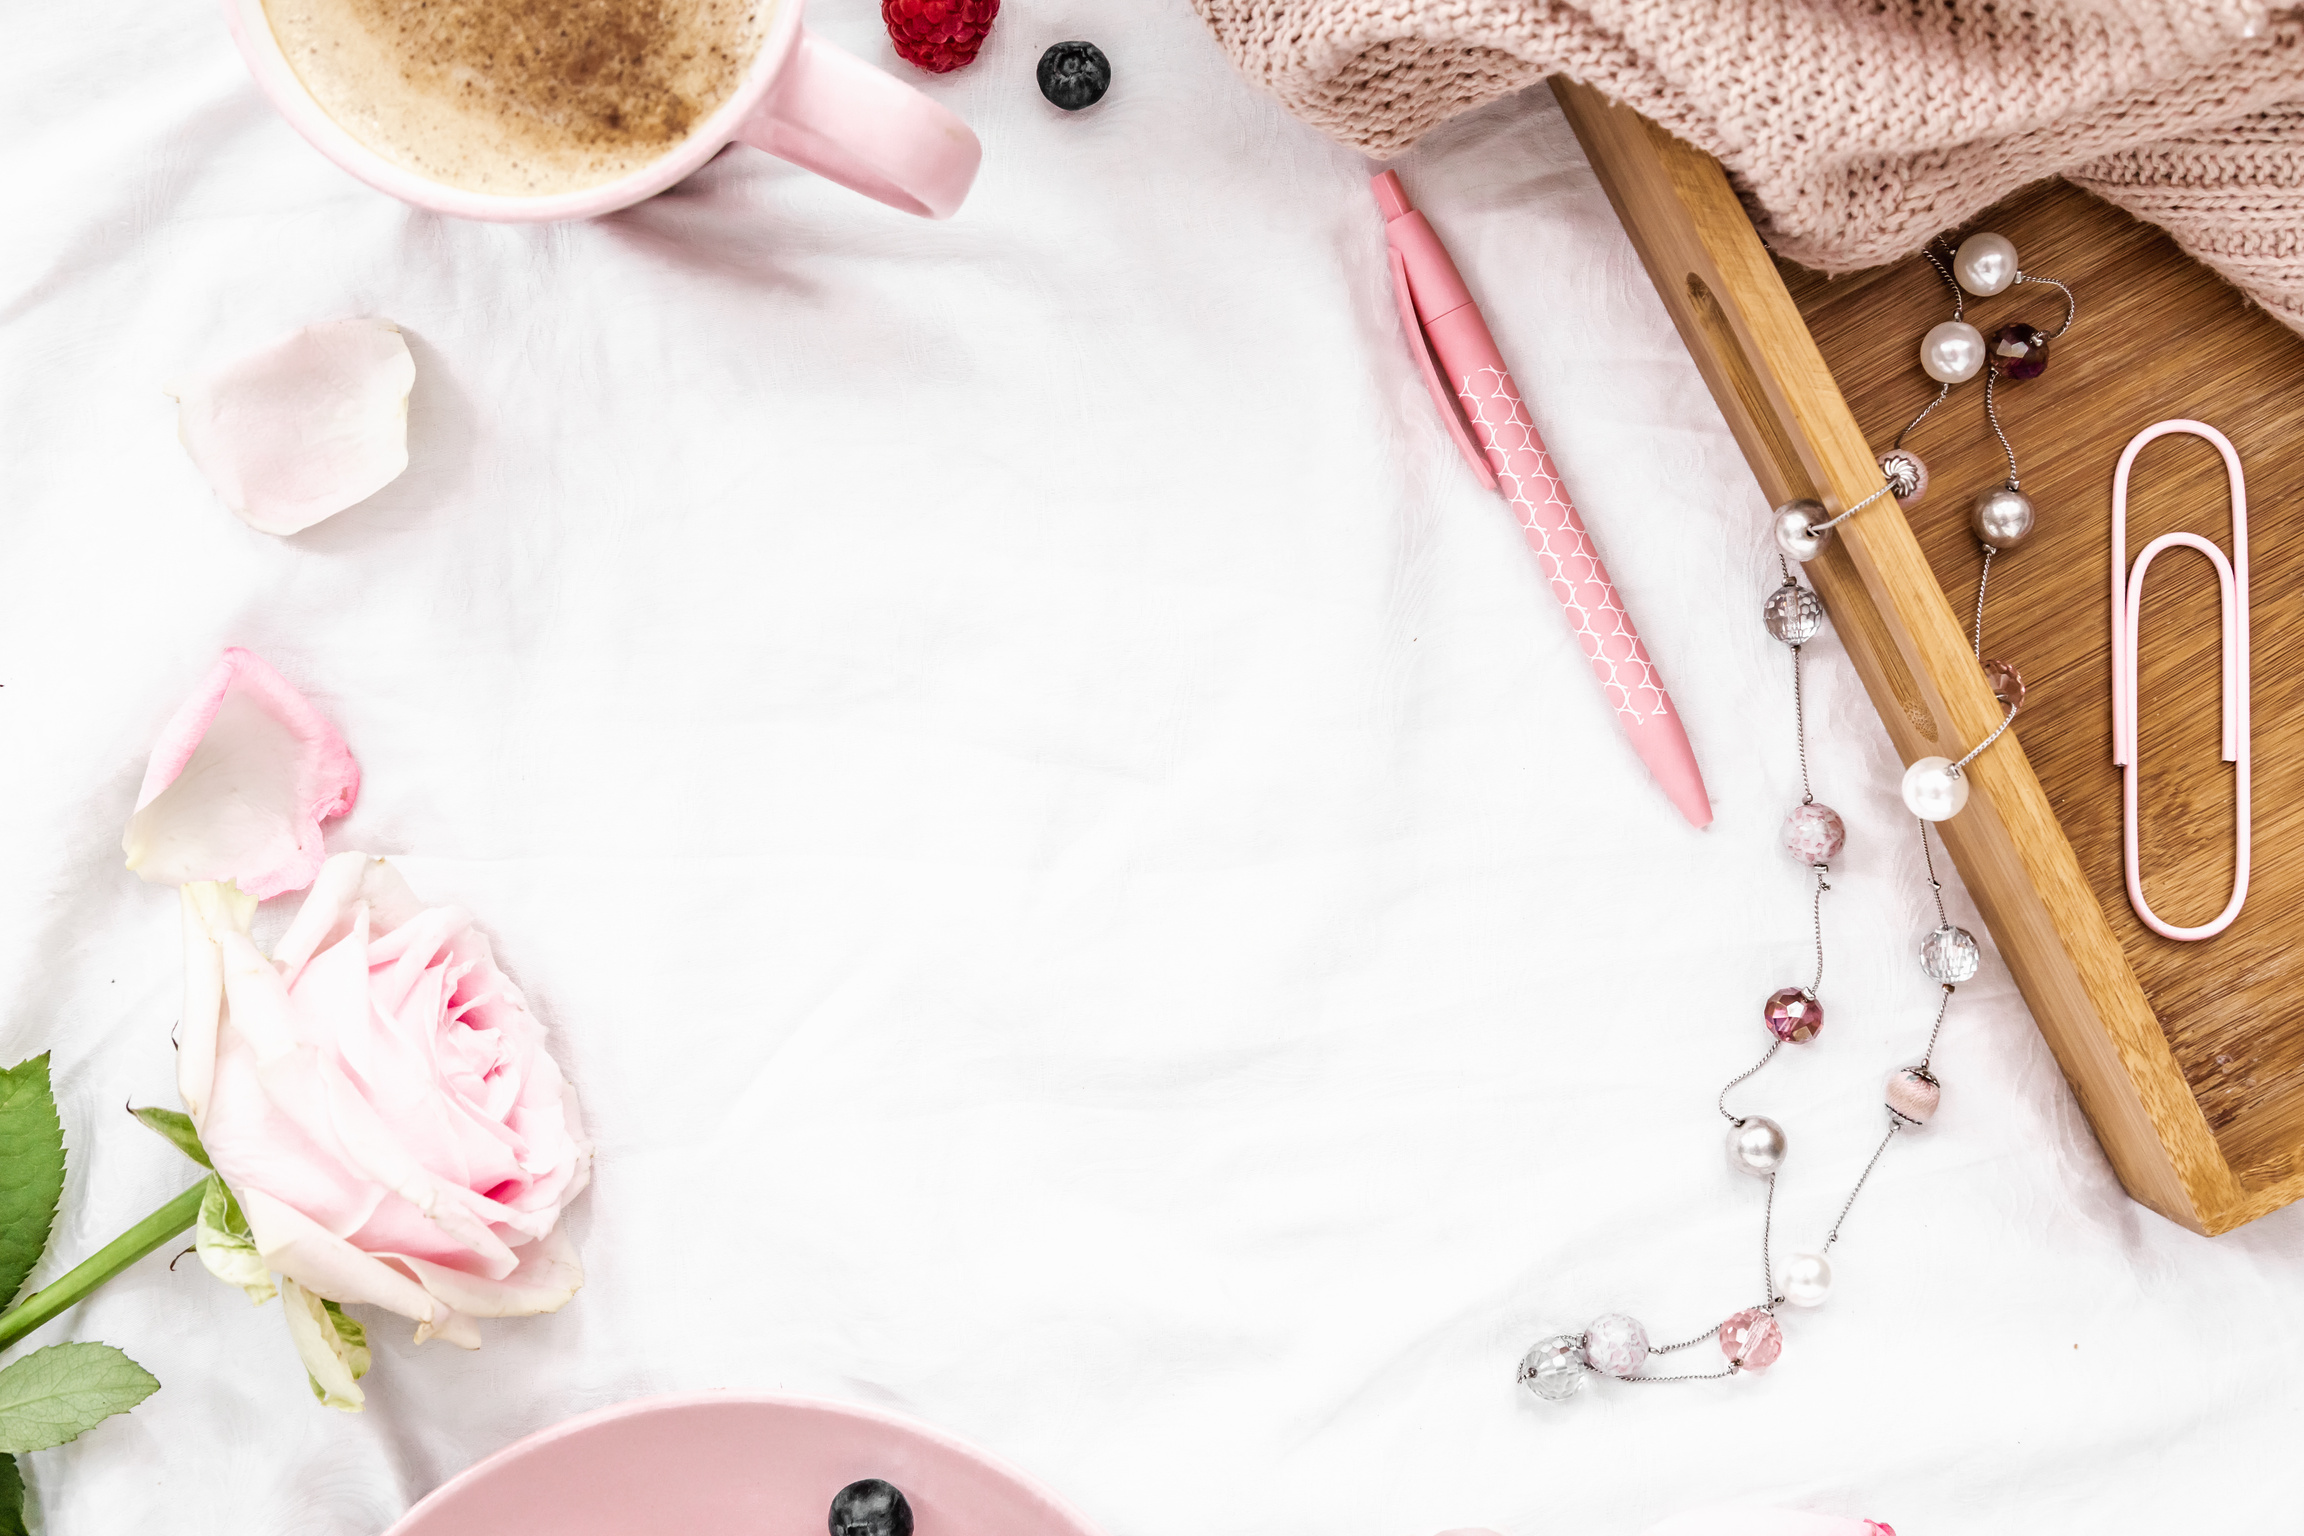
(2127,601)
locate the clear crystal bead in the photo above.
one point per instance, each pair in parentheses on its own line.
(1793,613)
(1554,1369)
(1949,955)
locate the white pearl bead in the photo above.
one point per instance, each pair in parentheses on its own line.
(1793,520)
(1756,1147)
(1805,1280)
(1985,264)
(1952,352)
(1932,791)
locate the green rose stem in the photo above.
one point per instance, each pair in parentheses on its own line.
(163,1226)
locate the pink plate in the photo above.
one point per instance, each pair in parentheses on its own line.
(721,1464)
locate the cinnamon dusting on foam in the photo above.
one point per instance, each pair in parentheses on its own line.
(520,97)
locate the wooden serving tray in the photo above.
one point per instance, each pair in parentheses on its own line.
(2187,1058)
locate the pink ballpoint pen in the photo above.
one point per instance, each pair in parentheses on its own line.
(1451,342)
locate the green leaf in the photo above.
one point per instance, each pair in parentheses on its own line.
(60,1393)
(31,1169)
(182,1135)
(11,1499)
(226,1249)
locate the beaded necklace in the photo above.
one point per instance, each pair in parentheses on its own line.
(1934,789)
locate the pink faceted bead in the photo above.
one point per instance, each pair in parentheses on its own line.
(1814,834)
(1751,1339)
(1793,1015)
(1912,1095)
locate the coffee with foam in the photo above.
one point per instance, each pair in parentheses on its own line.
(520,97)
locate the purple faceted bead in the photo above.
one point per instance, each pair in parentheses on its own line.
(2019,351)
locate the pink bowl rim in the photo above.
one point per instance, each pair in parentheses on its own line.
(643,1407)
(252,32)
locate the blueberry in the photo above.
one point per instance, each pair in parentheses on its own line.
(1075,75)
(870,1508)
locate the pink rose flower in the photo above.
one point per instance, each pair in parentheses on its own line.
(382,1103)
(239,782)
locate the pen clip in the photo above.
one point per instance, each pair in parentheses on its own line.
(1420,346)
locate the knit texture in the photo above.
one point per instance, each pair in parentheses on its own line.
(1856,129)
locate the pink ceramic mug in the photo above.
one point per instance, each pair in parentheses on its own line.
(803,100)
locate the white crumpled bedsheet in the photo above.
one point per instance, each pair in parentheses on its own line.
(1086,885)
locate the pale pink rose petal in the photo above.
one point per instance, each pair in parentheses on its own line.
(301,429)
(347,881)
(239,782)
(372,1152)
(209,909)
(452,1325)
(548,1124)
(409,951)
(278,1135)
(549,1274)
(297,1246)
(257,1007)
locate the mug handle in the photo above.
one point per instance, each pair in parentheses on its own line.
(865,129)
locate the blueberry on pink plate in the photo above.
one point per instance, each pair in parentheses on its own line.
(870,1508)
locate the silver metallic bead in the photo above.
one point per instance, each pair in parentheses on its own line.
(1794,520)
(2001,517)
(1793,613)
(1805,1280)
(1907,476)
(1756,1146)
(1554,1369)
(1985,264)
(1952,353)
(1949,955)
(1616,1345)
(1932,791)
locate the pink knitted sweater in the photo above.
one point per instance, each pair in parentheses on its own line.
(1856,129)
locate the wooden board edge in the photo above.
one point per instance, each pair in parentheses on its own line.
(1730,305)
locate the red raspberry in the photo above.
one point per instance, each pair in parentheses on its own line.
(938,35)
